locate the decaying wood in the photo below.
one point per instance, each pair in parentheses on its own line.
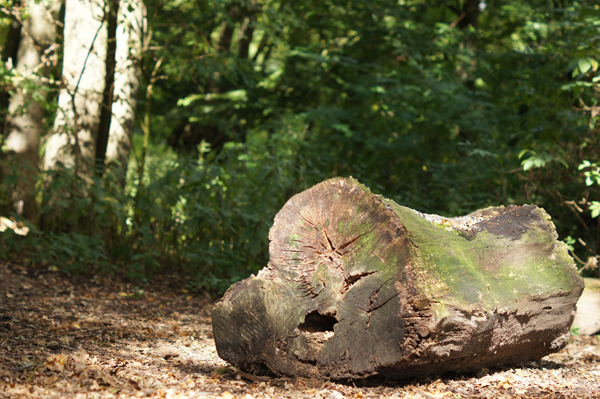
(358,285)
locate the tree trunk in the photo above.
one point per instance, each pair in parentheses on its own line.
(358,285)
(112,9)
(25,122)
(468,16)
(245,37)
(130,33)
(9,57)
(13,38)
(73,140)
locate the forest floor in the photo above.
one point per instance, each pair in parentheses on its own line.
(102,337)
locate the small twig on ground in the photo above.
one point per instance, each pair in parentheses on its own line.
(23,368)
(251,377)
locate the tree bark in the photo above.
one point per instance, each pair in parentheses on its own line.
(358,285)
(73,140)
(468,16)
(245,37)
(226,36)
(112,9)
(13,38)
(9,56)
(130,33)
(25,122)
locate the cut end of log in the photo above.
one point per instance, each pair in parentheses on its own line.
(358,285)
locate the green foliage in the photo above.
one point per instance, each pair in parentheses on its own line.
(439,116)
(211,214)
(205,216)
(441,111)
(591,172)
(536,160)
(574,330)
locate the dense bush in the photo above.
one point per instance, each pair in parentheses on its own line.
(442,112)
(206,217)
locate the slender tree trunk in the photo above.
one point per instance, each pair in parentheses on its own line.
(226,36)
(26,115)
(261,46)
(468,16)
(11,46)
(9,57)
(73,140)
(107,96)
(129,39)
(145,125)
(246,33)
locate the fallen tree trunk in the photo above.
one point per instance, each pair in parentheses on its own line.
(358,285)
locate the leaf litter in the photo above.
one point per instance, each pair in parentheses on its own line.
(103,337)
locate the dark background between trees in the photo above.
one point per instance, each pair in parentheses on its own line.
(443,106)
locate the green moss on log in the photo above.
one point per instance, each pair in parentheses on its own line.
(358,285)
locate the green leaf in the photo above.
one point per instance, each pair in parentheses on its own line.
(523,152)
(576,84)
(570,241)
(595,208)
(541,160)
(528,164)
(584,164)
(584,65)
(588,181)
(184,102)
(572,64)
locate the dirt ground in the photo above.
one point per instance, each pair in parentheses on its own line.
(74,337)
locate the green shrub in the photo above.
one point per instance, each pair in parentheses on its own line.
(206,216)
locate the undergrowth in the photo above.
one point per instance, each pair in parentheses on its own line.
(205,217)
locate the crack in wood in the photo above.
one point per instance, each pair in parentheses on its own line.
(373,297)
(353,279)
(331,247)
(383,304)
(348,243)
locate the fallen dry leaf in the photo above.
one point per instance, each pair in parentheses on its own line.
(76,337)
(56,363)
(108,379)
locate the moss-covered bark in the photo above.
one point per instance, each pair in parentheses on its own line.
(358,285)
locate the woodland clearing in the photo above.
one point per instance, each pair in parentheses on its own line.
(105,337)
